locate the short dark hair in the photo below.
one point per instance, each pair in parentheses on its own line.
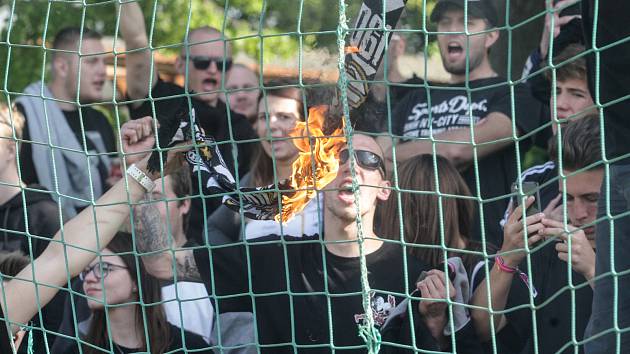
(581,144)
(11,263)
(68,37)
(574,68)
(181,183)
(285,88)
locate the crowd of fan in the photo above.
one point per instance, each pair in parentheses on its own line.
(483,266)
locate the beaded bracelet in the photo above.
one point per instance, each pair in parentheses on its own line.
(500,262)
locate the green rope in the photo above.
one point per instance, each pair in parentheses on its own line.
(367,330)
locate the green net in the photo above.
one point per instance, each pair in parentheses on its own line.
(314,43)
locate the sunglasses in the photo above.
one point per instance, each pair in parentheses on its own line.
(365,159)
(100,271)
(203,62)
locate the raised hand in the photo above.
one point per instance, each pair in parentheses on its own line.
(582,253)
(137,139)
(514,234)
(558,22)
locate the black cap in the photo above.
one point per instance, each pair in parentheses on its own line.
(476,8)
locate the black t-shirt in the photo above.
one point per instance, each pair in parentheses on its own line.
(448,109)
(193,341)
(170,99)
(614,71)
(99,138)
(304,267)
(176,346)
(554,306)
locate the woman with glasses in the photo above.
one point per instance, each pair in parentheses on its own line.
(74,247)
(125,305)
(279,109)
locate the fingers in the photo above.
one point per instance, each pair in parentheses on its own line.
(534,230)
(137,130)
(561,5)
(432,286)
(553,204)
(533,239)
(563,256)
(517,214)
(562,247)
(566,19)
(556,228)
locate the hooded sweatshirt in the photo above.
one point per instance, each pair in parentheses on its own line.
(43,221)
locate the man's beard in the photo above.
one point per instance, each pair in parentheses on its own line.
(460,69)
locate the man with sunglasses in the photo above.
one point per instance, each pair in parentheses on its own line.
(322,274)
(205,58)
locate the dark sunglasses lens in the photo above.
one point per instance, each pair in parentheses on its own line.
(368,159)
(201,63)
(226,63)
(343,156)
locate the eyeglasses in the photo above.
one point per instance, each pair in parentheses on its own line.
(101,271)
(203,62)
(365,159)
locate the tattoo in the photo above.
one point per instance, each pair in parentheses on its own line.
(151,234)
(187,267)
(152,237)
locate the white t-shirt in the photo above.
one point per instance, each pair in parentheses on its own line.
(305,223)
(197,313)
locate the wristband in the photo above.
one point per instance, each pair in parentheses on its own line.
(134,172)
(500,262)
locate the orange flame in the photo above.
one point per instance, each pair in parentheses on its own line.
(351,49)
(318,153)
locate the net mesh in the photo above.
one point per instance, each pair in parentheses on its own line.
(288,32)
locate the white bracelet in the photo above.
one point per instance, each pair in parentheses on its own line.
(134,172)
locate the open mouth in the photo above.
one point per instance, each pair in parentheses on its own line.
(346,192)
(455,49)
(209,84)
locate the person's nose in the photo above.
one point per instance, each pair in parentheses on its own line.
(563,106)
(90,277)
(580,211)
(213,68)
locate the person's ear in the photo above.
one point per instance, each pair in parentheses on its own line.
(384,191)
(60,66)
(180,65)
(491,38)
(10,149)
(184,207)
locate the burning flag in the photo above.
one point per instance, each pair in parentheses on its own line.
(317,162)
(315,167)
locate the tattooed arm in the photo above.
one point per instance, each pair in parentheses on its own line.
(152,238)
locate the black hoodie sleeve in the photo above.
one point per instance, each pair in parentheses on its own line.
(43,218)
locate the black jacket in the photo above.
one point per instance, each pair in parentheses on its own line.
(42,213)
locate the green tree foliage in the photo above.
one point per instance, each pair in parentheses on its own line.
(264,30)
